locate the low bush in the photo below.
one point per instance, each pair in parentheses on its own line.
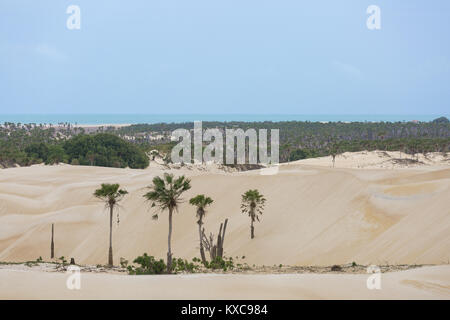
(182,265)
(220,263)
(147,265)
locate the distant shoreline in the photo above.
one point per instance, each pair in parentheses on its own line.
(120,120)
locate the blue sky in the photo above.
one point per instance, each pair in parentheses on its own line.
(225,56)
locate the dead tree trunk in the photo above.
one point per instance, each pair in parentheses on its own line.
(52,245)
(215,249)
(219,241)
(221,238)
(202,250)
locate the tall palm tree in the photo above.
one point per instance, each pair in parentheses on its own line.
(166,194)
(111,195)
(201,202)
(253,205)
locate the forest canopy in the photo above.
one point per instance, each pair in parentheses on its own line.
(126,146)
(102,149)
(105,150)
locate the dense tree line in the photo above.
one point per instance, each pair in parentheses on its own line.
(26,147)
(29,143)
(15,138)
(311,139)
(314,132)
(303,139)
(105,150)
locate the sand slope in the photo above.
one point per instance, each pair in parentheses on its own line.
(314,214)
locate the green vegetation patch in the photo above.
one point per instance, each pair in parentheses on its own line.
(105,150)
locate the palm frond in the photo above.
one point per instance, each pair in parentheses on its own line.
(253,204)
(165,193)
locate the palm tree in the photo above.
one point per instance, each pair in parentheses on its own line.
(253,204)
(334,151)
(166,194)
(111,195)
(201,202)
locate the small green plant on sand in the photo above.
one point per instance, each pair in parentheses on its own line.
(63,260)
(220,263)
(147,265)
(182,265)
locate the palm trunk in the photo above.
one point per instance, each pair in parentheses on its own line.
(110,256)
(252,228)
(169,252)
(252,219)
(202,250)
(52,246)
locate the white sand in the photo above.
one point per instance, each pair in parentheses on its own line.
(423,283)
(381,160)
(315,215)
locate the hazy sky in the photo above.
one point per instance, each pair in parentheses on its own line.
(225,56)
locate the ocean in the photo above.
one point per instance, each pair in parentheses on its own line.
(178,118)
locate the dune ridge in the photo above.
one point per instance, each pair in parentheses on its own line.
(315,214)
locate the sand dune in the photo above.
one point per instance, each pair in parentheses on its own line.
(382,159)
(314,215)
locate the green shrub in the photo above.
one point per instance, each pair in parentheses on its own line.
(105,150)
(180,265)
(56,154)
(220,263)
(148,265)
(63,260)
